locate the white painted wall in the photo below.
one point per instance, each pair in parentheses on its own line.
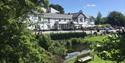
(52,10)
(47,25)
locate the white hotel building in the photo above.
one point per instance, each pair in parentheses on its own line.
(56,21)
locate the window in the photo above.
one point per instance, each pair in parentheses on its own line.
(81,19)
(49,26)
(64,19)
(59,19)
(48,20)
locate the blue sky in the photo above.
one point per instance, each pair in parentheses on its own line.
(92,7)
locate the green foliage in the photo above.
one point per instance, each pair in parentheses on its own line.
(63,36)
(58,48)
(96,39)
(58,7)
(44,41)
(98,18)
(46,3)
(99,60)
(12,9)
(21,47)
(76,41)
(103,20)
(55,47)
(113,49)
(116,19)
(17,44)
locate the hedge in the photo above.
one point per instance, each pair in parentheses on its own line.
(62,36)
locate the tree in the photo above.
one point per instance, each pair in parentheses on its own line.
(44,41)
(98,18)
(116,19)
(58,7)
(57,48)
(17,44)
(103,20)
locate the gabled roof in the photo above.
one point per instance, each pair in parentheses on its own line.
(54,15)
(91,17)
(75,15)
(62,16)
(52,10)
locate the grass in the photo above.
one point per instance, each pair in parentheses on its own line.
(99,60)
(99,38)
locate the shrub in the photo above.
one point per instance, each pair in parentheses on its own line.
(44,41)
(62,36)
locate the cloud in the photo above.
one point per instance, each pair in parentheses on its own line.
(91,5)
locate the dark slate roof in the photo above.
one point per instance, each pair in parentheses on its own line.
(62,16)
(91,17)
(75,15)
(58,16)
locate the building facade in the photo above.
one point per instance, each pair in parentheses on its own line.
(56,21)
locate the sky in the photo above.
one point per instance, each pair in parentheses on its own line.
(91,7)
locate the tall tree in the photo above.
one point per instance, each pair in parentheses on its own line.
(103,20)
(116,19)
(98,18)
(58,7)
(17,44)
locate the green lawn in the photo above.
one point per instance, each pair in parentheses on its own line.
(99,60)
(95,38)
